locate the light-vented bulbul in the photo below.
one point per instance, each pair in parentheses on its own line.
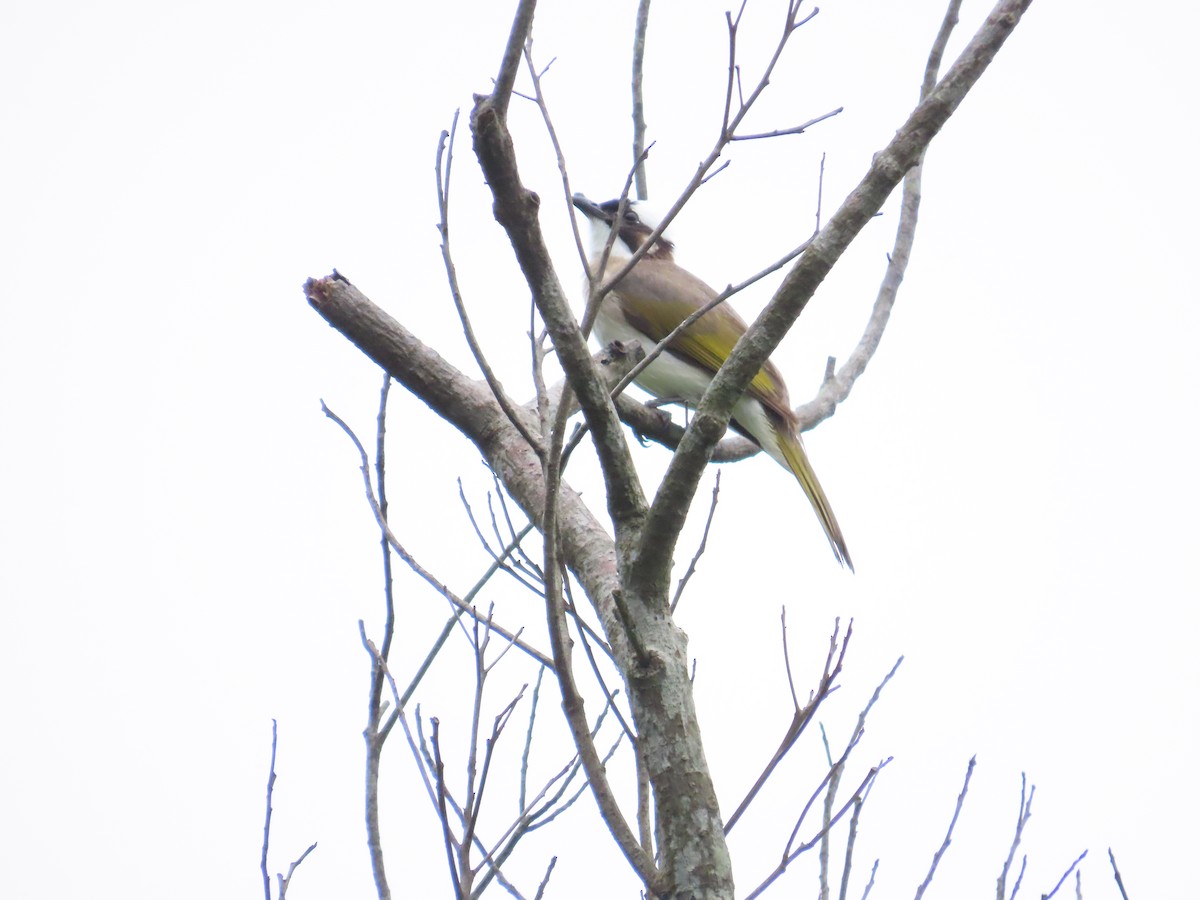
(654,297)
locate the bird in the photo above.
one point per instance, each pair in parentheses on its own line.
(650,301)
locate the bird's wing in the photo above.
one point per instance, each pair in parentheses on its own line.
(658,294)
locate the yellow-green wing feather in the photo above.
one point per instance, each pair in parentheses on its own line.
(657,295)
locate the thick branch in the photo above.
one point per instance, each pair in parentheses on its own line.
(516,209)
(517,36)
(469,406)
(887,169)
(836,388)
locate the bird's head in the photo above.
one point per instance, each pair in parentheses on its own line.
(635,226)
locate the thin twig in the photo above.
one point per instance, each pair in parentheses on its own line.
(795,129)
(267,824)
(560,642)
(282,880)
(374,735)
(378,660)
(835,779)
(533,704)
(1020,878)
(789,849)
(787,658)
(639,109)
(836,769)
(871,880)
(470,804)
(937,857)
(800,718)
(1024,811)
(540,99)
(409,560)
(1117,874)
(659,348)
(532,819)
(850,838)
(541,891)
(516,570)
(730,123)
(1065,875)
(389,621)
(445,151)
(425,766)
(691,569)
(584,634)
(443,815)
(834,391)
(457,615)
(285,880)
(794,853)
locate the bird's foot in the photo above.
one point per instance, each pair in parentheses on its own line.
(664,420)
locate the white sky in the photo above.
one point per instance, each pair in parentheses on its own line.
(186,549)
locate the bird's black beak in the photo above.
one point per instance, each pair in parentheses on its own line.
(590,209)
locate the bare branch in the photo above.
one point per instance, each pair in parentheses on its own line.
(657,540)
(502,559)
(708,307)
(541,891)
(389,600)
(834,390)
(1066,874)
(572,701)
(445,151)
(1024,811)
(836,770)
(850,838)
(937,857)
(795,129)
(285,880)
(408,558)
(374,735)
(532,819)
(586,638)
(515,208)
(800,718)
(521,27)
(639,108)
(1117,874)
(691,569)
(792,854)
(730,122)
(537,690)
(540,99)
(443,814)
(267,824)
(470,407)
(282,880)
(871,880)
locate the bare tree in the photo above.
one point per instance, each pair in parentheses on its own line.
(675,839)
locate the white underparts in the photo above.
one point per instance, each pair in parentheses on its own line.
(670,378)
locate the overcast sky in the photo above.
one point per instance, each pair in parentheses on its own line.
(186,549)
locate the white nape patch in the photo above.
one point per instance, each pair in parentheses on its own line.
(649,214)
(597,231)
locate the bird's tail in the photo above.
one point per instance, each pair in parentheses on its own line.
(794,458)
